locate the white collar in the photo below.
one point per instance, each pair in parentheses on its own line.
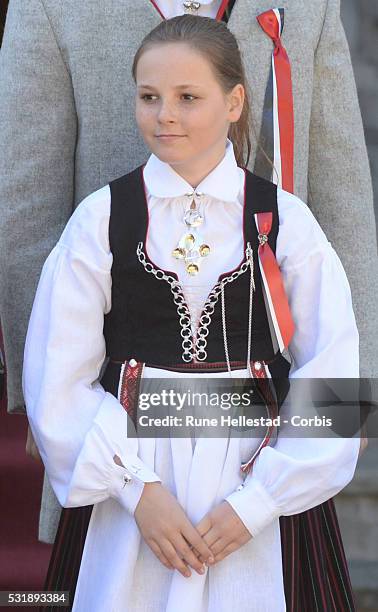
(222,183)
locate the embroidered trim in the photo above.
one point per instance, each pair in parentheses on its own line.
(128,386)
(193,350)
(214,366)
(258,369)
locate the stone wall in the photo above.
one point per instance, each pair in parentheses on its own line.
(357,505)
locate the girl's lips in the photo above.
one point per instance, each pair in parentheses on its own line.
(167,136)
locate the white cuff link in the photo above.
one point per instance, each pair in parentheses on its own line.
(126,480)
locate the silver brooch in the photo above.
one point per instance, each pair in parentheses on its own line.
(191,7)
(191,246)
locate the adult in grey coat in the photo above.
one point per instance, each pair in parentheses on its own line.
(67,128)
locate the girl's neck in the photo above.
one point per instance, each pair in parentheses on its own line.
(195,171)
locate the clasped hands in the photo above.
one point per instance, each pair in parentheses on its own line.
(172,537)
(176,542)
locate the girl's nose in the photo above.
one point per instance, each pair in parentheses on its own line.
(166,113)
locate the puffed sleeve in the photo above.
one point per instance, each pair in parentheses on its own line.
(77,426)
(299,473)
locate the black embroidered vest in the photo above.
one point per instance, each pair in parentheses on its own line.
(149,320)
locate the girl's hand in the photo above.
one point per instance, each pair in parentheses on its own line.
(223,531)
(31,447)
(363,440)
(168,531)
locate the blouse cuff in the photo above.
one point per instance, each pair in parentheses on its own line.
(126,489)
(254,506)
(126,480)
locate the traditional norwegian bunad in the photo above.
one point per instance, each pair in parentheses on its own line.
(230,320)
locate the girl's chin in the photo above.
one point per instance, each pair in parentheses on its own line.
(172,157)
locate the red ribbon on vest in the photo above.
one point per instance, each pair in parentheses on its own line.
(272,24)
(272,283)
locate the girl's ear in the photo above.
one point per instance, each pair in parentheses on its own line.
(236,101)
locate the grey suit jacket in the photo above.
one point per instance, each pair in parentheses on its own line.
(67,128)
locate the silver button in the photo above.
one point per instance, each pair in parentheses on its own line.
(263,239)
(257,365)
(126,480)
(132,363)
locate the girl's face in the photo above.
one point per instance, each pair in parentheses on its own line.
(181,109)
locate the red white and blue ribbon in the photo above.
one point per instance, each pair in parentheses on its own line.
(225,9)
(277,132)
(274,291)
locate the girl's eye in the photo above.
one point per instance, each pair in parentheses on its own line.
(148,97)
(153,97)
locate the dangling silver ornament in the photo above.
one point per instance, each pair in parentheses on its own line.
(191,246)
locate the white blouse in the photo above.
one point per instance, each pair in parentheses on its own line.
(171,8)
(79,427)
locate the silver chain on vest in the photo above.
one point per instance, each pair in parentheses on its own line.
(197,349)
(249,256)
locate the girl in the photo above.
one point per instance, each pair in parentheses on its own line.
(170,271)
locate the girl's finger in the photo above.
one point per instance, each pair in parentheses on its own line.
(200,557)
(158,553)
(187,554)
(227,551)
(203,526)
(170,553)
(195,540)
(211,537)
(219,545)
(195,551)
